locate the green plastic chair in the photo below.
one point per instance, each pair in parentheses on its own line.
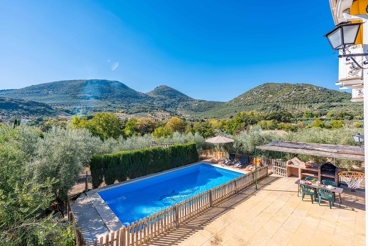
(308,178)
(332,183)
(325,194)
(329,182)
(307,191)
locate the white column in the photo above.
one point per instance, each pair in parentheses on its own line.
(365,79)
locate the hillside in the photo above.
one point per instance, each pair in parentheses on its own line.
(173,100)
(166,92)
(105,95)
(89,96)
(294,98)
(10,107)
(289,93)
(78,92)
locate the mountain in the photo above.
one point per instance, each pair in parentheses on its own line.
(78,92)
(10,107)
(166,92)
(104,95)
(294,98)
(292,93)
(88,96)
(174,101)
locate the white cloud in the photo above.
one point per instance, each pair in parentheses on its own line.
(114,66)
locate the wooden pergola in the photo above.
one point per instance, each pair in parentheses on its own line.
(325,150)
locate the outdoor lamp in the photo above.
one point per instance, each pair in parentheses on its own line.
(343,35)
(359,138)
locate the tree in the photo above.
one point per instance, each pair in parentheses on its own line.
(162,132)
(357,125)
(316,114)
(287,127)
(23,200)
(300,125)
(237,120)
(79,122)
(175,124)
(307,114)
(318,123)
(268,124)
(246,141)
(146,125)
(336,123)
(62,154)
(105,125)
(54,122)
(205,129)
(280,116)
(130,128)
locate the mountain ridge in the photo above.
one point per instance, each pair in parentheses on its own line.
(105,95)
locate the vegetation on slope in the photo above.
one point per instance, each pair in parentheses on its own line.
(289,93)
(17,107)
(90,96)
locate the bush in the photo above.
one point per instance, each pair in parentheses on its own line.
(336,124)
(137,163)
(96,167)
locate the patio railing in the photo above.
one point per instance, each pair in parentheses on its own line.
(139,232)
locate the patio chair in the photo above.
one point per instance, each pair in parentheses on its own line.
(325,194)
(308,178)
(243,161)
(231,160)
(332,183)
(307,191)
(328,182)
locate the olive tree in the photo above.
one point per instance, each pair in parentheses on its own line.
(24,200)
(63,154)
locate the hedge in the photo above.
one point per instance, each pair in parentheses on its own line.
(132,164)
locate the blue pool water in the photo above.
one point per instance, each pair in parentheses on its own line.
(139,199)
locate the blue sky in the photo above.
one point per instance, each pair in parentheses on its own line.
(211,50)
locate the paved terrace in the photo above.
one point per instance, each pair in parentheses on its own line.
(274,215)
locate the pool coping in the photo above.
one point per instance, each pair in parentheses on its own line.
(108,217)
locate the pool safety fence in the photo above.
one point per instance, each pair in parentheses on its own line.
(140,232)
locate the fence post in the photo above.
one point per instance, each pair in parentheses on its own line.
(177,215)
(86,182)
(70,216)
(211,203)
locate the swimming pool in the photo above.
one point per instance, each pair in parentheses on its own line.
(136,200)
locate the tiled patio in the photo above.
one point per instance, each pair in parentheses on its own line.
(274,215)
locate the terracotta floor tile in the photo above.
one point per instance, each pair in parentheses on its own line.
(276,216)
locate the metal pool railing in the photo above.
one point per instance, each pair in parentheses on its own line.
(139,232)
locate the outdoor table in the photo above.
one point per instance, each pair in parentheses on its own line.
(337,190)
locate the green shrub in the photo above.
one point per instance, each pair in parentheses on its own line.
(96,167)
(137,163)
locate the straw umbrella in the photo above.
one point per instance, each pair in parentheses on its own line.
(219,140)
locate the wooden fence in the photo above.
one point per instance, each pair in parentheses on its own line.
(139,232)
